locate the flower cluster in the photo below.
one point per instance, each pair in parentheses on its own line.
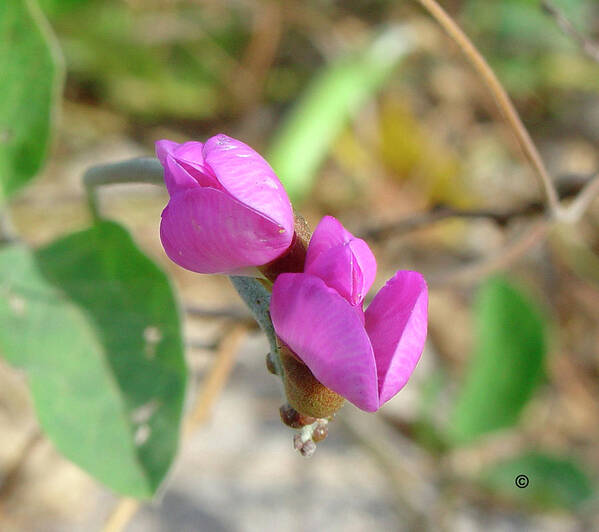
(229,213)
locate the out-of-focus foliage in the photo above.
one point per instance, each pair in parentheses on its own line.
(306,135)
(54,7)
(526,46)
(410,153)
(164,61)
(94,324)
(506,364)
(30,74)
(552,481)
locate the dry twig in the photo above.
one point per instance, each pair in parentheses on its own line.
(260,53)
(214,383)
(557,213)
(233,312)
(503,100)
(471,273)
(568,186)
(443,212)
(583,201)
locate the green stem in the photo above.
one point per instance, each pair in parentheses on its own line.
(139,170)
(257,298)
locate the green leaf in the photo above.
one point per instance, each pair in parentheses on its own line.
(304,139)
(52,7)
(29,90)
(552,481)
(506,365)
(94,324)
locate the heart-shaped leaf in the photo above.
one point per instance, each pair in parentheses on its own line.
(94,324)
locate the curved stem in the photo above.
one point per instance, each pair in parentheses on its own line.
(583,201)
(138,170)
(503,100)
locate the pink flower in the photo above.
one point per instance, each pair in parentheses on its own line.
(228,211)
(342,261)
(366,357)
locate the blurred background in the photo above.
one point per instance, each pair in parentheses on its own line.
(369,113)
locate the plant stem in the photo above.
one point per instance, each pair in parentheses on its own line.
(583,201)
(257,298)
(138,170)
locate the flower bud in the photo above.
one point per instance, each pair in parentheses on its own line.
(228,212)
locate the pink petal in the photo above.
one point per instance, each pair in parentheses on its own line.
(341,260)
(205,230)
(323,329)
(178,176)
(396,322)
(164,148)
(246,176)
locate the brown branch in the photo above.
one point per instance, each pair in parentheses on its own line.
(442,212)
(583,188)
(590,48)
(503,100)
(214,383)
(121,515)
(583,201)
(260,53)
